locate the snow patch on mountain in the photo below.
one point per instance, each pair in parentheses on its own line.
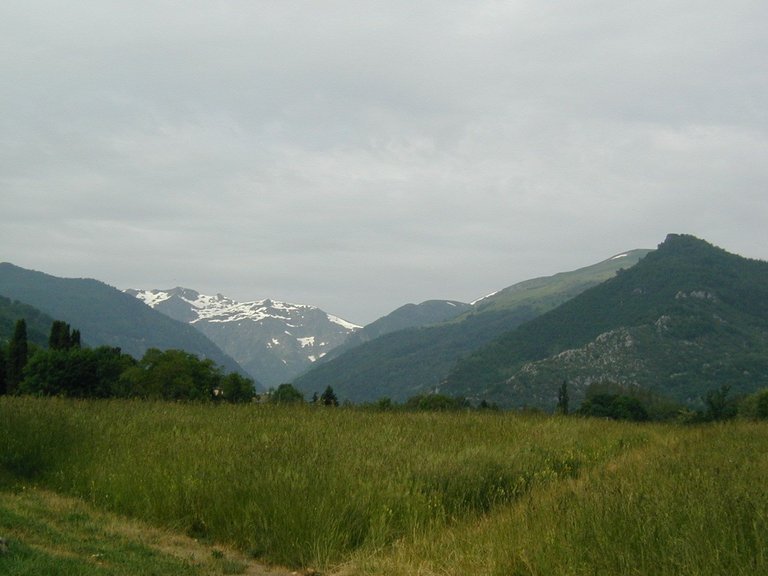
(343,323)
(152,298)
(484,297)
(274,341)
(219,308)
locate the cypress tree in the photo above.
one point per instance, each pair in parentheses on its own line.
(562,399)
(328,397)
(3,370)
(62,337)
(18,354)
(58,336)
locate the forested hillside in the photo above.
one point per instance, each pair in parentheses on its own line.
(398,365)
(106,315)
(408,362)
(688,318)
(407,316)
(38,323)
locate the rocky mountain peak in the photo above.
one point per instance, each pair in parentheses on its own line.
(272,340)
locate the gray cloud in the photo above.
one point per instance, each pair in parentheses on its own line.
(360,155)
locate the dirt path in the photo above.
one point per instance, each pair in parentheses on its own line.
(59,526)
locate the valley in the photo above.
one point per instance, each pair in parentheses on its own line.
(675,322)
(595,422)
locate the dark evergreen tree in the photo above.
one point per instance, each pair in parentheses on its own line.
(59,337)
(328,398)
(63,337)
(3,368)
(18,354)
(562,399)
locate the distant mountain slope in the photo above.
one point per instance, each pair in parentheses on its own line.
(549,292)
(688,318)
(106,315)
(401,364)
(273,341)
(407,316)
(38,323)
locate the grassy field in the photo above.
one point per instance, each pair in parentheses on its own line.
(353,492)
(53,535)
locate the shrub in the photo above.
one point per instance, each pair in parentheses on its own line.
(286,394)
(717,405)
(615,407)
(755,406)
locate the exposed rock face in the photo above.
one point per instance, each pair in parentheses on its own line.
(273,341)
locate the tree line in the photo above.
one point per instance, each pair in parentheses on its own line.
(288,394)
(617,402)
(67,368)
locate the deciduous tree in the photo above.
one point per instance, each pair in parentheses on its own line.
(286,394)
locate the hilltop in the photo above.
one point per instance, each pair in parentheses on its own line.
(687,318)
(416,360)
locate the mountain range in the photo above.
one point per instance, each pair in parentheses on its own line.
(407,316)
(106,316)
(677,321)
(38,323)
(415,360)
(688,318)
(273,341)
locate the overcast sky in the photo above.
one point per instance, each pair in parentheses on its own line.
(359,155)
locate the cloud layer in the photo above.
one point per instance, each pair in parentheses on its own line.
(361,155)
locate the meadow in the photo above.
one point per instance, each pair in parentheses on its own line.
(348,491)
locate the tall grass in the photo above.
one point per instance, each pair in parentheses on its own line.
(297,486)
(402,493)
(690,501)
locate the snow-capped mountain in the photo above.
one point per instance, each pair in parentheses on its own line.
(273,341)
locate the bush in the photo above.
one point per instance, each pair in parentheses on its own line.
(718,406)
(75,372)
(755,406)
(286,394)
(615,407)
(437,402)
